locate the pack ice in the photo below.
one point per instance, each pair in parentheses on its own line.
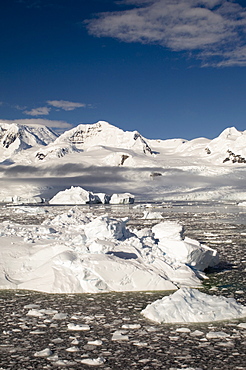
(77,252)
(191,305)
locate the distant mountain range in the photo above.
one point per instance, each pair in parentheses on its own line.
(104,158)
(122,147)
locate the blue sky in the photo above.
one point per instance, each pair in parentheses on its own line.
(167,68)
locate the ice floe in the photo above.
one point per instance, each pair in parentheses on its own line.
(191,305)
(76,252)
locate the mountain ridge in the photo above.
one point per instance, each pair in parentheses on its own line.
(229,147)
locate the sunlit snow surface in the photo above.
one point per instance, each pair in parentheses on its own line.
(103,158)
(190,305)
(36,327)
(76,252)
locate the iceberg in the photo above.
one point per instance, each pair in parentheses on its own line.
(172,242)
(124,198)
(191,305)
(76,252)
(78,195)
(74,195)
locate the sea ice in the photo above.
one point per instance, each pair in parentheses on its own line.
(190,305)
(76,252)
(93,361)
(44,353)
(78,327)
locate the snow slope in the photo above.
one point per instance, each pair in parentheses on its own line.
(15,138)
(103,158)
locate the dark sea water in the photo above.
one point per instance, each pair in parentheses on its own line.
(126,339)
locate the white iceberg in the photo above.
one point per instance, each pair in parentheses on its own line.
(124,198)
(75,195)
(77,253)
(242,204)
(172,242)
(78,195)
(191,305)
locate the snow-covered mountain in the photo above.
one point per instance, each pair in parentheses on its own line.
(117,147)
(231,144)
(15,138)
(103,158)
(84,137)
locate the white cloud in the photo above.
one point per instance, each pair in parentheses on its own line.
(39,122)
(214,30)
(42,111)
(65,105)
(19,107)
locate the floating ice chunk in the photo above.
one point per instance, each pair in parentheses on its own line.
(190,305)
(74,195)
(183,330)
(197,333)
(125,198)
(64,362)
(93,361)
(151,215)
(78,327)
(75,341)
(119,335)
(32,210)
(140,344)
(72,349)
(34,312)
(59,316)
(44,353)
(97,342)
(217,334)
(242,325)
(131,326)
(105,227)
(78,195)
(185,250)
(96,255)
(242,204)
(168,230)
(31,305)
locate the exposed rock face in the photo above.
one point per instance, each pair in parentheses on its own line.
(234,158)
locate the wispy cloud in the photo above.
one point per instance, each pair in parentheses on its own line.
(42,111)
(39,122)
(65,105)
(212,30)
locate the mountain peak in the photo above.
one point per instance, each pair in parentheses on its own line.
(15,137)
(103,133)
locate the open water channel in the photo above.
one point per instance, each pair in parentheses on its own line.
(116,336)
